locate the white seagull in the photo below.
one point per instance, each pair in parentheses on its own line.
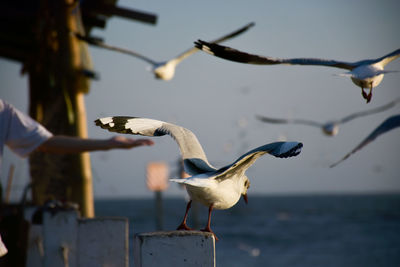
(215,188)
(164,70)
(389,124)
(365,73)
(330,128)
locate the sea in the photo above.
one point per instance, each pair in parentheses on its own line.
(297,231)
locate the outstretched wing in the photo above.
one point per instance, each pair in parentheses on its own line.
(386,59)
(387,125)
(243,57)
(277,149)
(295,121)
(101,44)
(194,158)
(219,40)
(370,111)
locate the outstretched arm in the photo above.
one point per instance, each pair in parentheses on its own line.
(68,144)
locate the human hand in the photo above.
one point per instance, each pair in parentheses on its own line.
(124,142)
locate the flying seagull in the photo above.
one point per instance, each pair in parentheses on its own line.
(389,124)
(365,73)
(330,128)
(162,70)
(215,188)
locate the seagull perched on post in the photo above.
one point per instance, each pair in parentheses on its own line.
(365,73)
(162,70)
(215,188)
(330,128)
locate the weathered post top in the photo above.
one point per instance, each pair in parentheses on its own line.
(174,248)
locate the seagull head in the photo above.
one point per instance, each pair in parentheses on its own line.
(246,185)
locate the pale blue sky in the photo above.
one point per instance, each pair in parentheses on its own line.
(211,96)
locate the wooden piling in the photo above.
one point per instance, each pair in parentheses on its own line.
(57,88)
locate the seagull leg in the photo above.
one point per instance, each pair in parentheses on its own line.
(208,228)
(364,94)
(183,225)
(369,95)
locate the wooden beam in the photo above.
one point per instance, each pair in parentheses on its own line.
(112,10)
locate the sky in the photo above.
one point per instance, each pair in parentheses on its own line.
(218,99)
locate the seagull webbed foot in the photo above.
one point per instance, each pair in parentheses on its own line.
(208,229)
(183,226)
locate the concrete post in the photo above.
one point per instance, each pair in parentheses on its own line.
(103,242)
(65,240)
(60,234)
(174,248)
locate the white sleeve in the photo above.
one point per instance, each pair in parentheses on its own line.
(20,132)
(3,249)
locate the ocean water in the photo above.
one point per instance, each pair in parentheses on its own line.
(334,230)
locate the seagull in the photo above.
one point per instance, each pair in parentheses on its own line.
(389,124)
(215,188)
(364,73)
(330,128)
(162,70)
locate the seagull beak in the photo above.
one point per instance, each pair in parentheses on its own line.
(245,198)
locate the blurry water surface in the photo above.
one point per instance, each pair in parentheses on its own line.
(334,230)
